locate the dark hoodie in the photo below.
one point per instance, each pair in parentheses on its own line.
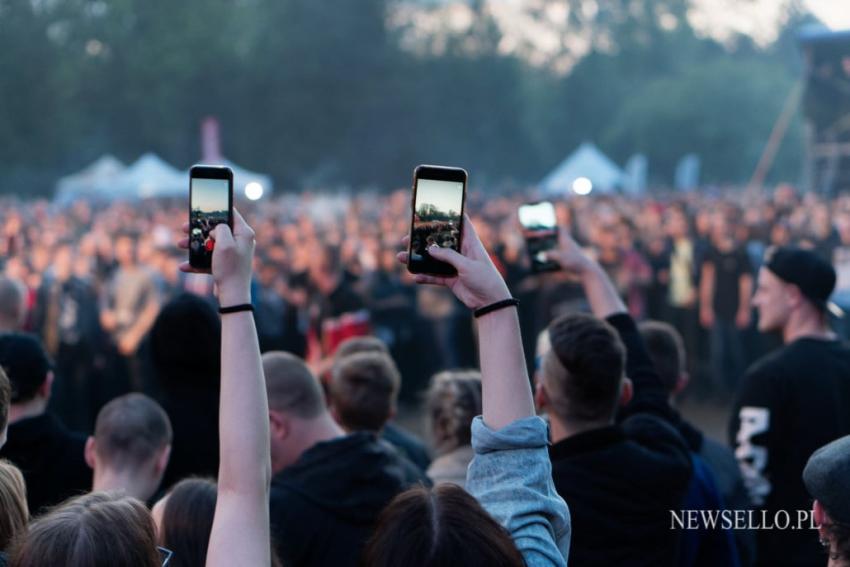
(621,481)
(324,507)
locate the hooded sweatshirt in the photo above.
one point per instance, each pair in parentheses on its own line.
(324,507)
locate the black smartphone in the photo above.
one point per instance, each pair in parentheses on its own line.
(439,195)
(210,204)
(540,229)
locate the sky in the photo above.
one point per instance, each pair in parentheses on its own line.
(446,195)
(834,13)
(209,194)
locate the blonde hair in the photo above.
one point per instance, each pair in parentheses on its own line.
(14,513)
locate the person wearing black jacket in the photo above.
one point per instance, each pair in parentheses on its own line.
(620,478)
(50,456)
(792,401)
(328,487)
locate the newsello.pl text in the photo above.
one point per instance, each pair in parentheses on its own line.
(742,520)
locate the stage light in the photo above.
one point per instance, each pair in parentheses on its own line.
(253,191)
(582,186)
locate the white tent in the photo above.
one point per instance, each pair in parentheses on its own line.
(586,162)
(97,179)
(150,176)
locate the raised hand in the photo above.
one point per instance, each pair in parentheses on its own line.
(478,282)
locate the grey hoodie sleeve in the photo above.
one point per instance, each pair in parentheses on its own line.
(511,476)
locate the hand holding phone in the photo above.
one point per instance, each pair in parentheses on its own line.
(540,230)
(439,196)
(210,204)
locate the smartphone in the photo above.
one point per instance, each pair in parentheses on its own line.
(210,204)
(439,195)
(540,229)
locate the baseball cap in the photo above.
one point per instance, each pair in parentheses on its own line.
(827,478)
(26,364)
(812,274)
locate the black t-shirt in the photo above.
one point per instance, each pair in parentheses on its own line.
(791,402)
(728,269)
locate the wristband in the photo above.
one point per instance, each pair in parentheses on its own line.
(481,311)
(236,308)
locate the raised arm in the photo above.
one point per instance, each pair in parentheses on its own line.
(510,475)
(240,532)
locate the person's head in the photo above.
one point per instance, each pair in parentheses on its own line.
(63,261)
(14,513)
(676,223)
(130,446)
(96,529)
(13,307)
(185,343)
(296,407)
(5,402)
(827,478)
(583,374)
(667,351)
(354,345)
(28,368)
(363,391)
(439,526)
(184,519)
(125,250)
(453,401)
(793,288)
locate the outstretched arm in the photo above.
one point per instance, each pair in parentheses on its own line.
(240,532)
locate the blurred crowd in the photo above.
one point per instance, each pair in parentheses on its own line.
(95,276)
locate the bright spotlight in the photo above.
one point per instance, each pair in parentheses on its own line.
(253,191)
(582,186)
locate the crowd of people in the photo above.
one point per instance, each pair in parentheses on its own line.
(145,428)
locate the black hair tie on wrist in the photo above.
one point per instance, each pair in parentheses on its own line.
(236,308)
(481,311)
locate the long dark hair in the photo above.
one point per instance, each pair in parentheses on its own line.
(439,527)
(187,521)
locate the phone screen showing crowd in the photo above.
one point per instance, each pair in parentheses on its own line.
(210,206)
(436,220)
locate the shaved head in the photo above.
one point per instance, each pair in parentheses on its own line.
(291,387)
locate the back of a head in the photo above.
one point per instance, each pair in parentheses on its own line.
(12,302)
(355,345)
(439,527)
(291,386)
(363,390)
(130,431)
(187,521)
(186,343)
(583,372)
(14,513)
(453,401)
(94,530)
(666,349)
(26,364)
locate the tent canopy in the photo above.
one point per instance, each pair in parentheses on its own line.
(587,161)
(151,176)
(96,179)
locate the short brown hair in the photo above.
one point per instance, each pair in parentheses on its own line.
(666,349)
(583,373)
(131,430)
(5,400)
(99,528)
(14,513)
(291,387)
(440,526)
(354,345)
(363,390)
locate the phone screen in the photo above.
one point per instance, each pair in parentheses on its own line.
(540,228)
(437,218)
(210,205)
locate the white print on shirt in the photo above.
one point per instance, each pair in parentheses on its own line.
(753,458)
